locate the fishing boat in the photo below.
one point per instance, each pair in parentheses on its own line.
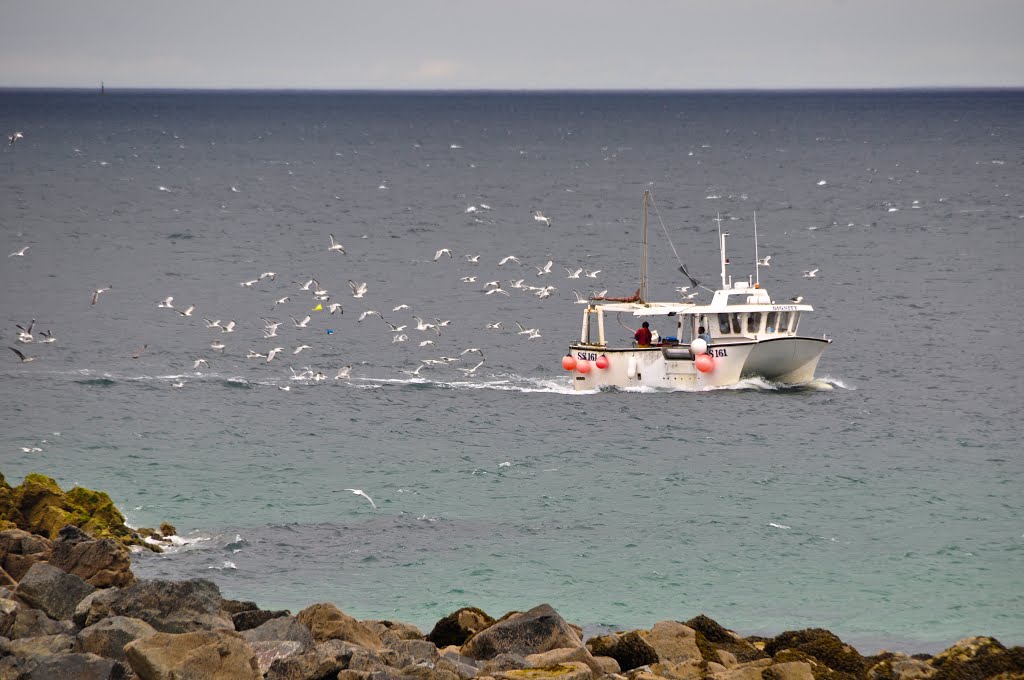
(747,335)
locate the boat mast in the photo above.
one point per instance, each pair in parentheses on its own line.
(643,255)
(757,262)
(721,248)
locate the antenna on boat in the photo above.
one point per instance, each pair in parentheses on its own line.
(757,262)
(721,247)
(643,255)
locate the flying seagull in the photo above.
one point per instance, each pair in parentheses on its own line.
(810,274)
(763,262)
(24,359)
(360,492)
(335,246)
(443,251)
(358,290)
(99,291)
(539,216)
(19,253)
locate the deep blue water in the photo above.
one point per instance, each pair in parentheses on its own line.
(884,502)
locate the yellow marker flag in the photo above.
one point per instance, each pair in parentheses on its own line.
(318,308)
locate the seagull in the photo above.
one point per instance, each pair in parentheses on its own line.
(428,342)
(539,216)
(401,337)
(308,284)
(810,274)
(396,329)
(249,284)
(11,139)
(546,269)
(217,345)
(497,289)
(443,251)
(368,313)
(475,259)
(573,273)
(166,304)
(138,353)
(273,353)
(523,330)
(593,274)
(343,372)
(691,295)
(48,336)
(472,349)
(493,326)
(19,253)
(682,289)
(199,362)
(335,307)
(468,279)
(360,492)
(24,359)
(335,246)
(398,308)
(281,301)
(253,354)
(187,312)
(25,334)
(268,275)
(580,300)
(763,262)
(230,328)
(358,290)
(211,323)
(534,333)
(286,388)
(471,371)
(99,291)
(441,323)
(179,384)
(300,348)
(423,326)
(798,299)
(300,324)
(507,258)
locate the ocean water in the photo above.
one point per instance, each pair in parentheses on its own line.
(882,502)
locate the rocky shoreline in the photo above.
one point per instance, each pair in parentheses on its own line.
(70,607)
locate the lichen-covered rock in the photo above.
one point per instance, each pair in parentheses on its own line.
(459,626)
(790,670)
(570,670)
(725,640)
(52,590)
(979,658)
(77,666)
(824,646)
(628,649)
(327,622)
(32,623)
(673,642)
(390,631)
(268,651)
(278,629)
(322,660)
(563,655)
(172,606)
(209,654)
(19,550)
(108,637)
(61,643)
(537,630)
(101,563)
(748,671)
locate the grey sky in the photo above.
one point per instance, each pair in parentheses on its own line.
(480,44)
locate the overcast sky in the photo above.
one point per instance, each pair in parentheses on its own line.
(512,44)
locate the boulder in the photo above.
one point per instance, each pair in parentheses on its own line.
(684,670)
(31,623)
(322,660)
(459,626)
(52,590)
(791,670)
(899,666)
(537,630)
(19,550)
(172,606)
(280,629)
(167,530)
(108,637)
(61,643)
(750,671)
(326,622)
(210,654)
(95,607)
(459,665)
(570,670)
(673,642)
(979,657)
(732,648)
(628,649)
(416,650)
(823,645)
(269,651)
(394,630)
(565,654)
(77,666)
(252,618)
(101,563)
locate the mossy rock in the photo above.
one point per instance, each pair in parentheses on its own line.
(723,639)
(824,646)
(707,650)
(986,658)
(628,649)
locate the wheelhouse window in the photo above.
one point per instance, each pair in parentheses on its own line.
(784,318)
(737,323)
(771,324)
(723,324)
(753,322)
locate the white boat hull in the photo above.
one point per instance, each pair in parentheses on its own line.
(790,360)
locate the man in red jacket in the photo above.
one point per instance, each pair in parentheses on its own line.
(643,335)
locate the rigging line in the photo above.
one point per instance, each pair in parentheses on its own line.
(668,238)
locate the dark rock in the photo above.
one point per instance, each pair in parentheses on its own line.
(233,607)
(173,606)
(95,607)
(269,651)
(101,563)
(281,628)
(462,666)
(459,626)
(63,666)
(167,530)
(108,637)
(710,629)
(19,550)
(61,643)
(628,649)
(537,630)
(323,660)
(979,658)
(54,591)
(724,639)
(417,650)
(504,662)
(32,623)
(824,646)
(390,631)
(327,622)
(256,617)
(202,654)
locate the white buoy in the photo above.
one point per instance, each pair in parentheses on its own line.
(698,346)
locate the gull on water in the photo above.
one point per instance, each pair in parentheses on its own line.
(344,372)
(249,284)
(496,326)
(217,345)
(24,359)
(99,291)
(200,362)
(810,274)
(468,279)
(539,216)
(138,353)
(443,251)
(179,384)
(253,354)
(428,342)
(358,289)
(475,259)
(19,253)
(360,492)
(25,334)
(335,246)
(47,336)
(798,299)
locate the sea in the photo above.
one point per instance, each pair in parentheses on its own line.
(882,501)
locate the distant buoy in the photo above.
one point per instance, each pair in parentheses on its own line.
(698,346)
(569,362)
(704,363)
(583,366)
(602,362)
